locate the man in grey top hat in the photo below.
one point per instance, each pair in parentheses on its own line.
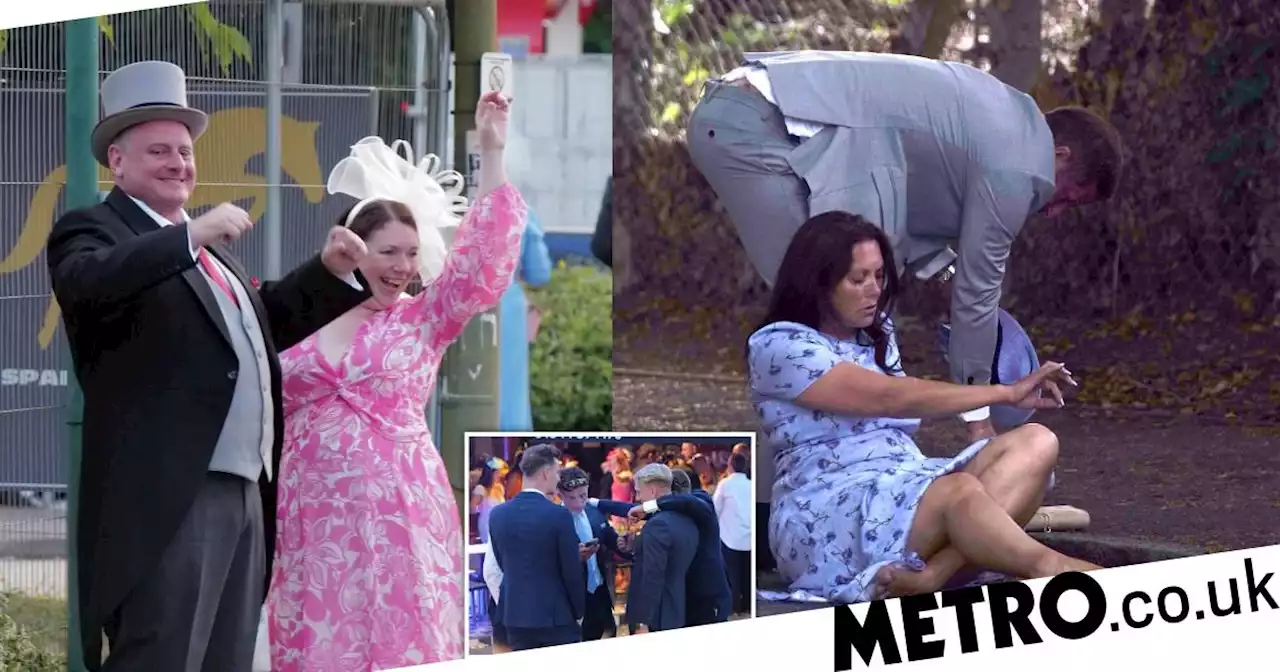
(931,151)
(176,352)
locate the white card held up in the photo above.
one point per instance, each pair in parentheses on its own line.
(497,73)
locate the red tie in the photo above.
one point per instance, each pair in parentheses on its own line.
(206,261)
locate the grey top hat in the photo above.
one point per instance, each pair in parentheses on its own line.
(141,92)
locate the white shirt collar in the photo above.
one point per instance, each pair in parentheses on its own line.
(155,215)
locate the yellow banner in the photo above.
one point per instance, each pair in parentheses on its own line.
(234,137)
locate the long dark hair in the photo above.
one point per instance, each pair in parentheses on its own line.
(817,259)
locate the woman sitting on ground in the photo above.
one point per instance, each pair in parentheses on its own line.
(858,512)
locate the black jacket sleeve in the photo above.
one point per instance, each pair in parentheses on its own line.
(694,508)
(306,299)
(91,270)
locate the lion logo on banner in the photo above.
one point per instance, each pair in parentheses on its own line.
(234,137)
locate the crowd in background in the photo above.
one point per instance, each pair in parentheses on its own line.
(708,467)
(493,479)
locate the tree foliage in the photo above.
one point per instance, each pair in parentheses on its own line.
(1185,257)
(217,41)
(19,652)
(571,360)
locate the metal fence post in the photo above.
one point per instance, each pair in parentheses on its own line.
(81,46)
(421,62)
(274,72)
(469,395)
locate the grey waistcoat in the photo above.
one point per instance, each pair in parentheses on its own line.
(240,449)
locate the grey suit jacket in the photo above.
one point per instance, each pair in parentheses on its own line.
(933,152)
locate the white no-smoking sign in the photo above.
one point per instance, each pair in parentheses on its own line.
(496,74)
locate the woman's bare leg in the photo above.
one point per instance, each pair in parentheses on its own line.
(1014,469)
(956,510)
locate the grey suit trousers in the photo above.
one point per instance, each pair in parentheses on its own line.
(198,609)
(740,144)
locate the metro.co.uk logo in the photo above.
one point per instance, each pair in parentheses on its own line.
(1011,604)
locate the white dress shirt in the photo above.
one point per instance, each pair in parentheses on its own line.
(734,502)
(758,78)
(492,574)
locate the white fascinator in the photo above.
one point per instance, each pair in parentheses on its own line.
(375,171)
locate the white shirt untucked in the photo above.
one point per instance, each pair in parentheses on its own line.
(734,501)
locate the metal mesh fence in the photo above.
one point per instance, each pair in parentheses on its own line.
(349,70)
(1138,288)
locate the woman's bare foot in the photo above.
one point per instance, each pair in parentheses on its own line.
(896,581)
(1055,563)
(1075,565)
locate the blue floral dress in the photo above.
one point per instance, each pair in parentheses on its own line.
(846,488)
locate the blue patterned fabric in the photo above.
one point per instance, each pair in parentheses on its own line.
(846,488)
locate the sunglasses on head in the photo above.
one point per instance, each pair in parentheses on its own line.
(572,484)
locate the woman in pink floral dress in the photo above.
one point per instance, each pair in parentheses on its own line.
(368,566)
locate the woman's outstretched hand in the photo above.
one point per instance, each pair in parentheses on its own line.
(492,115)
(1028,392)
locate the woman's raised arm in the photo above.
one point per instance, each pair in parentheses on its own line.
(486,249)
(481,264)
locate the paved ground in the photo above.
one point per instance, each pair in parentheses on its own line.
(33,551)
(1208,482)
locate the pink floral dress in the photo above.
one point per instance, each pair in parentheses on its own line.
(368,568)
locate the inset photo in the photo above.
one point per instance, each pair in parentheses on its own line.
(576,537)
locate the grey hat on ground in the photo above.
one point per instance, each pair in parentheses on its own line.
(141,92)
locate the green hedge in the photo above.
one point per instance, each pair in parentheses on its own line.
(571,361)
(19,649)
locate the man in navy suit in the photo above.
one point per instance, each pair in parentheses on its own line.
(542,596)
(710,598)
(657,598)
(599,544)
